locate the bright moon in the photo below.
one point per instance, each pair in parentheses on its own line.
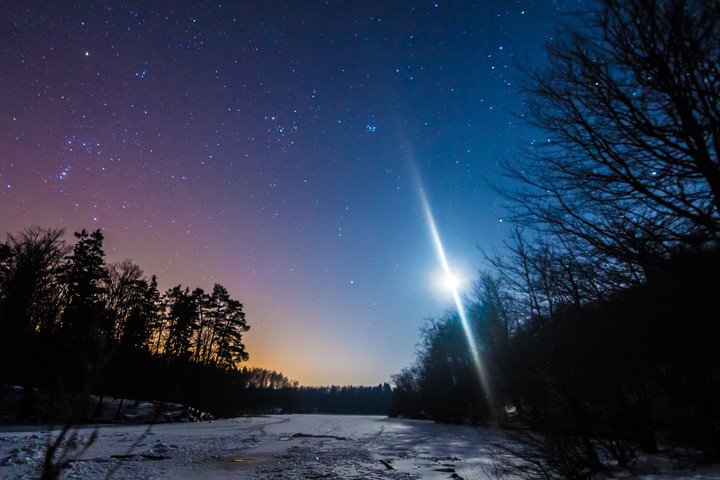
(449,283)
(453,283)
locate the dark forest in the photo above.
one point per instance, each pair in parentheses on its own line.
(598,322)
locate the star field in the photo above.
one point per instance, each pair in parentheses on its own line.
(271,147)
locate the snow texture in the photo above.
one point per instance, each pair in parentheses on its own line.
(275,447)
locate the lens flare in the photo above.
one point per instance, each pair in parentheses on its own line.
(454,284)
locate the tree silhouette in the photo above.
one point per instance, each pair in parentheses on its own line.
(406,401)
(447,377)
(228,326)
(182,323)
(205,332)
(628,103)
(85,277)
(123,292)
(29,290)
(133,304)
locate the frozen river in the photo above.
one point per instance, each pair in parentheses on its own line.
(274,447)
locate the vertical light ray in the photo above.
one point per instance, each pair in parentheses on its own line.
(440,251)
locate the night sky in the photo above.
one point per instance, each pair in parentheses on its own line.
(279,149)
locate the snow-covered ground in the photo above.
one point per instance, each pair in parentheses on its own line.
(275,447)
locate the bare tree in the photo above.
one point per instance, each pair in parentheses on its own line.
(630,104)
(123,293)
(29,290)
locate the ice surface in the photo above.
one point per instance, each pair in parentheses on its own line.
(275,447)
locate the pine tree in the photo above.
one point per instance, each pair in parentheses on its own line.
(231,349)
(85,277)
(182,316)
(224,346)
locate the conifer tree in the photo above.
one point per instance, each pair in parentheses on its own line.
(85,277)
(182,316)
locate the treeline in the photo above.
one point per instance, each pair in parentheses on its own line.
(603,380)
(70,324)
(69,321)
(598,324)
(336,400)
(50,288)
